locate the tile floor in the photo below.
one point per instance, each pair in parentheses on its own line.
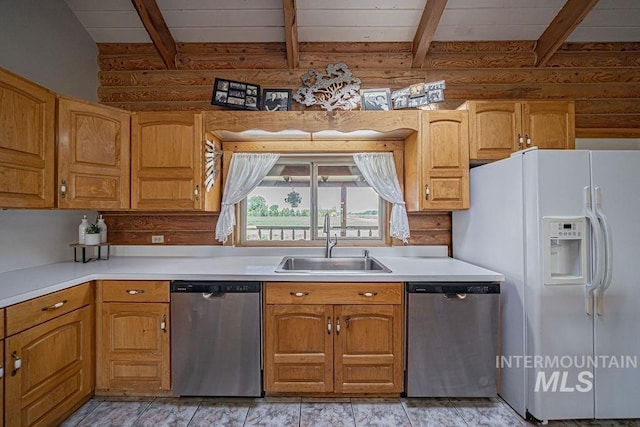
(159,412)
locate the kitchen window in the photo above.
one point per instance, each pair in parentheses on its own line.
(289,205)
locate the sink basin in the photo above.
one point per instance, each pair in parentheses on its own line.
(331,265)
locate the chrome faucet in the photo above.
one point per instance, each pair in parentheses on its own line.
(330,243)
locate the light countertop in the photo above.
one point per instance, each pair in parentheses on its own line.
(21,285)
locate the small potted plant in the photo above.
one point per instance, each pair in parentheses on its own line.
(92,235)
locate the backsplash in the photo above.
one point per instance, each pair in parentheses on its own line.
(198,228)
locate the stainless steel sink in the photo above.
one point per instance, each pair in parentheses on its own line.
(331,265)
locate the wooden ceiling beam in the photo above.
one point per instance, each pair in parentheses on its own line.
(569,17)
(291,32)
(426,29)
(154,23)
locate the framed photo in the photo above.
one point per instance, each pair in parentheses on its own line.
(375,99)
(228,93)
(276,99)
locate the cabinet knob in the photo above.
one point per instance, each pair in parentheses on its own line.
(426,192)
(196,192)
(17,363)
(520,140)
(328,325)
(63,189)
(1,371)
(337,326)
(163,324)
(528,139)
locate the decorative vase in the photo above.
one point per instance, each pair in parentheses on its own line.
(92,239)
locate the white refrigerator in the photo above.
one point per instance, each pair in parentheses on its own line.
(564,229)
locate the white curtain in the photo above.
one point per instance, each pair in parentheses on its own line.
(379,171)
(246,171)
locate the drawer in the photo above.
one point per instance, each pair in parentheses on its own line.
(332,293)
(38,310)
(135,290)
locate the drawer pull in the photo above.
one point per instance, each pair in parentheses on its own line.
(367,294)
(54,306)
(135,291)
(299,294)
(17,363)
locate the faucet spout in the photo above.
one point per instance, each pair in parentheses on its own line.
(329,243)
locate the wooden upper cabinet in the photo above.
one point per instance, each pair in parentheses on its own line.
(93,156)
(166,161)
(549,125)
(498,129)
(27,143)
(437,163)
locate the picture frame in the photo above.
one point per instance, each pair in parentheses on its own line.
(234,94)
(276,99)
(375,99)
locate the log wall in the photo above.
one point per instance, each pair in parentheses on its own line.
(602,78)
(136,228)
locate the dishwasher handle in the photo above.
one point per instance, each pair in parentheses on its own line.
(454,295)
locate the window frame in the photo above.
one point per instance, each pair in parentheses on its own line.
(315,160)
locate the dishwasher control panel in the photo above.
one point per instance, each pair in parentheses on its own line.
(214,287)
(452,287)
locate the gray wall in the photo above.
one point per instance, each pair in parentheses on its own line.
(41,40)
(29,238)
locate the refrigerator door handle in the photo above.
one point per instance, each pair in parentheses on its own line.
(598,259)
(608,249)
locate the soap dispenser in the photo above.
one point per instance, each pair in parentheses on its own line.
(82,229)
(103,229)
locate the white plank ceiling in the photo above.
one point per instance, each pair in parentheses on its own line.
(224,21)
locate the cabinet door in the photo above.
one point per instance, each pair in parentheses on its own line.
(166,161)
(93,156)
(368,348)
(134,352)
(549,125)
(56,372)
(495,129)
(27,144)
(298,348)
(445,160)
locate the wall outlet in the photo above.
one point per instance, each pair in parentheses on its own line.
(157,239)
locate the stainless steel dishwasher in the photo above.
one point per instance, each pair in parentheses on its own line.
(452,339)
(215,338)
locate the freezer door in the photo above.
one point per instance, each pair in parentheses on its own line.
(559,330)
(616,174)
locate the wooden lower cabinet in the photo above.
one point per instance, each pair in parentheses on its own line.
(298,348)
(133,352)
(332,348)
(56,372)
(368,343)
